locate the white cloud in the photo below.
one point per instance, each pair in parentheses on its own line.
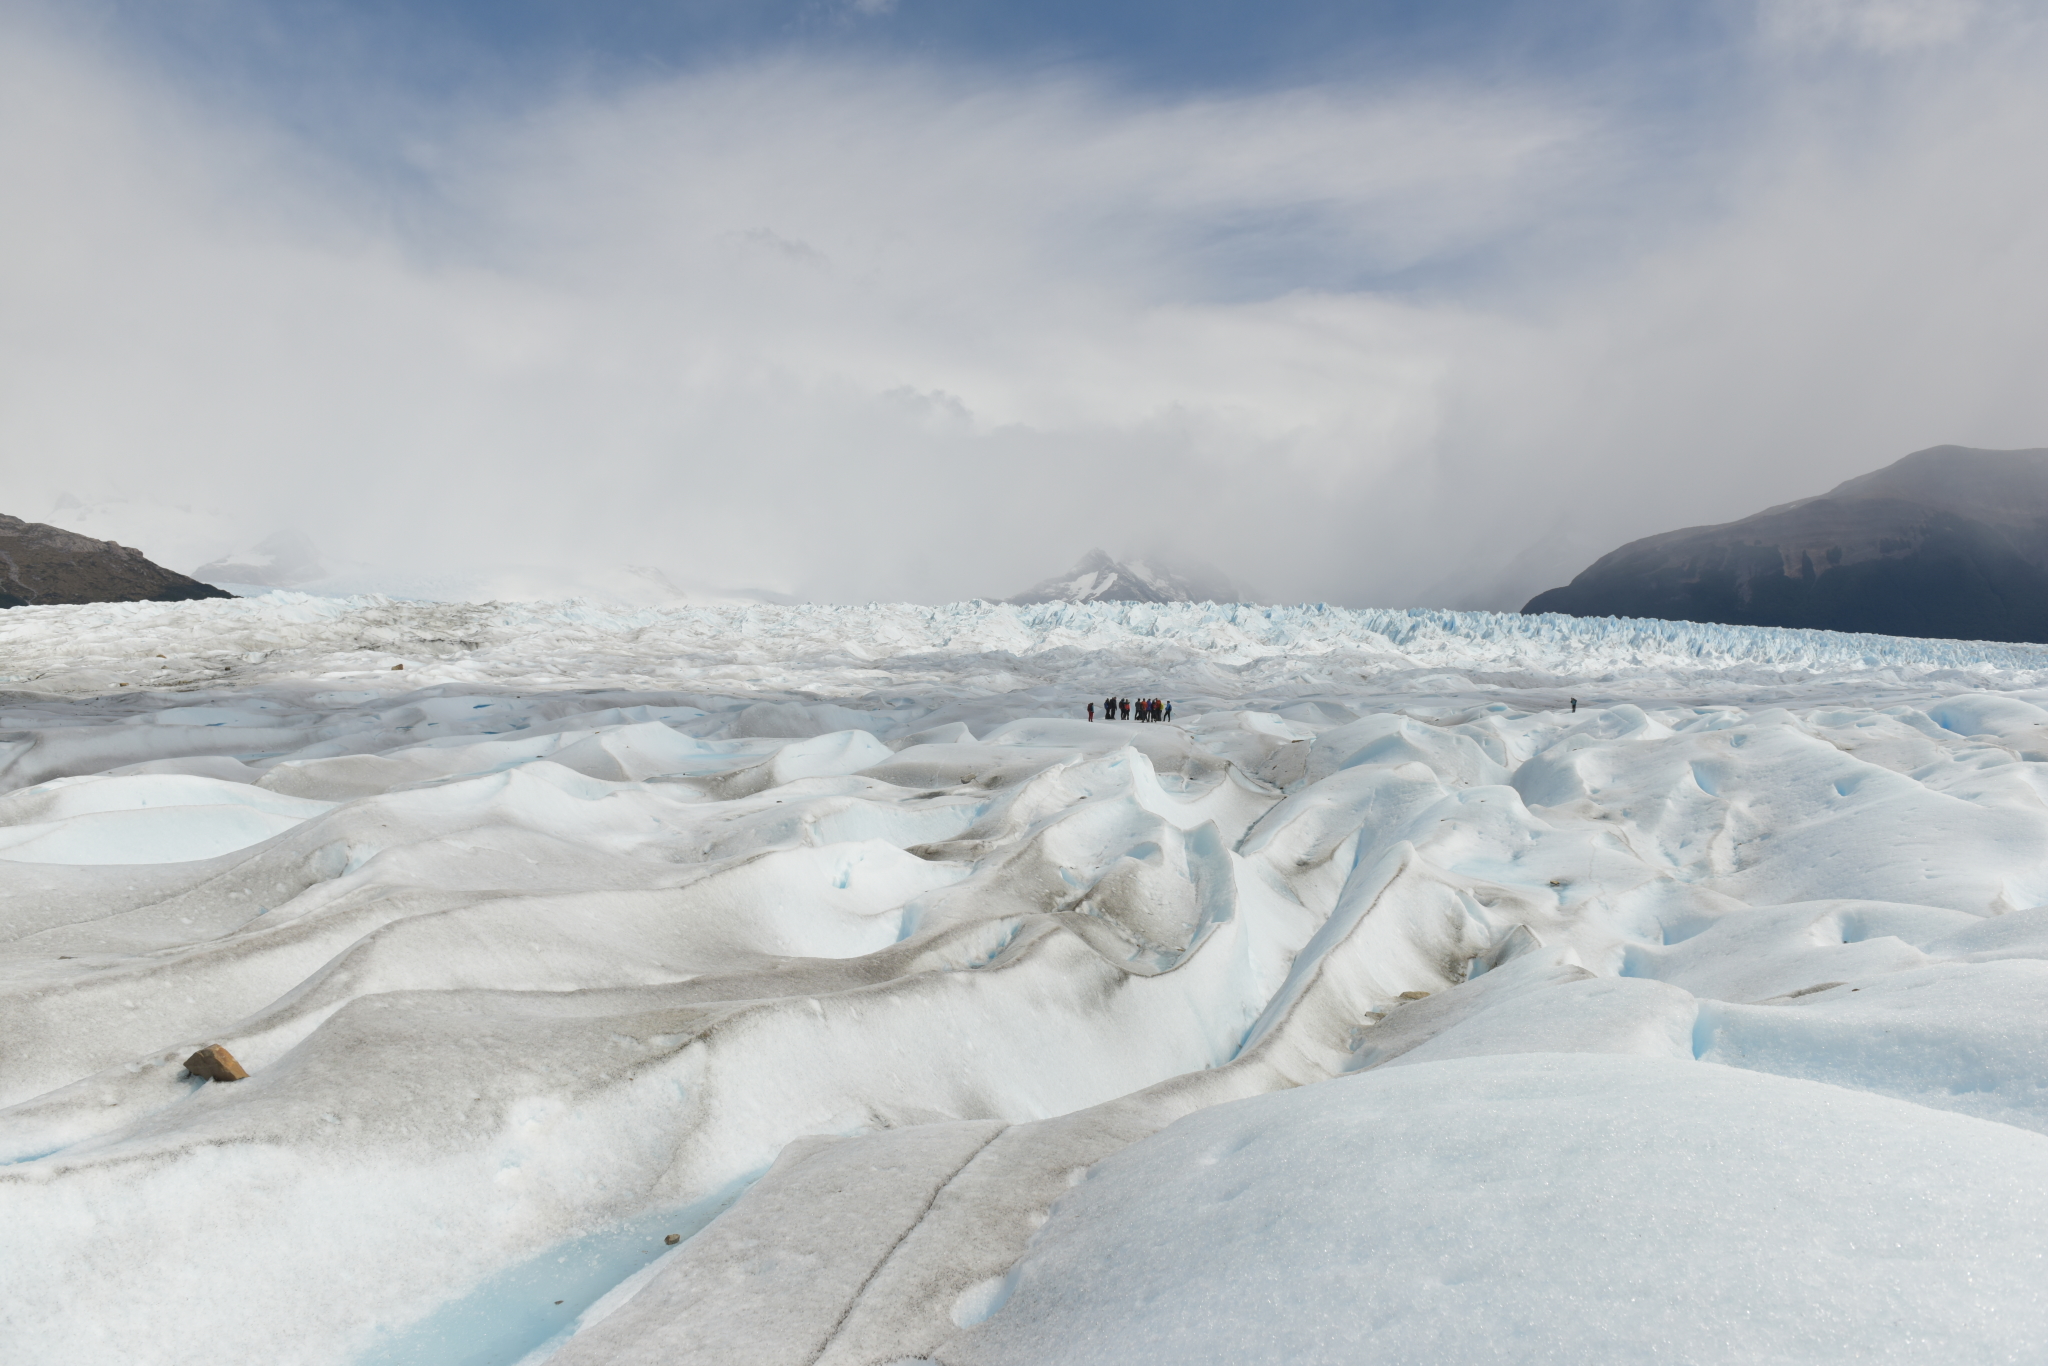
(1873,25)
(849,330)
(676,326)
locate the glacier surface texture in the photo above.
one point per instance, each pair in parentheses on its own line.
(1380,1007)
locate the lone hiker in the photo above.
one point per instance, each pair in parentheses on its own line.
(1575,706)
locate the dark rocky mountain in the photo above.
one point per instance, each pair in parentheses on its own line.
(1098,578)
(41,564)
(1949,542)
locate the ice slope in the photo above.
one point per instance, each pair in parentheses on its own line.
(1447,1213)
(941,1024)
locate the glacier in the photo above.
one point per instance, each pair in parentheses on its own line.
(814,984)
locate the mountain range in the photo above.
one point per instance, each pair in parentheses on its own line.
(1949,542)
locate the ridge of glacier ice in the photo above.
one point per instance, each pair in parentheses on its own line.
(1245,647)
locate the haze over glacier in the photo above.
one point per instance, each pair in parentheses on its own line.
(941,1024)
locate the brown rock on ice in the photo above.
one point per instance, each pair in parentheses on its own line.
(215,1064)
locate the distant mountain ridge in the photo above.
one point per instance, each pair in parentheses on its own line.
(42,564)
(1949,543)
(1099,578)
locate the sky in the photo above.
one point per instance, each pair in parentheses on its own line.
(853,300)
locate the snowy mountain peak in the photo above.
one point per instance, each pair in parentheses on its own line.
(1099,578)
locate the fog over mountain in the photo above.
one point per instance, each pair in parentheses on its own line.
(284,559)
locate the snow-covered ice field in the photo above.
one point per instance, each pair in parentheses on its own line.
(942,1025)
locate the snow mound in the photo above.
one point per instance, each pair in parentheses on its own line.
(1558,1207)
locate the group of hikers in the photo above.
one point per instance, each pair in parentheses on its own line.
(1147,709)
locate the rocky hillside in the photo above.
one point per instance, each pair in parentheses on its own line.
(41,564)
(1949,542)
